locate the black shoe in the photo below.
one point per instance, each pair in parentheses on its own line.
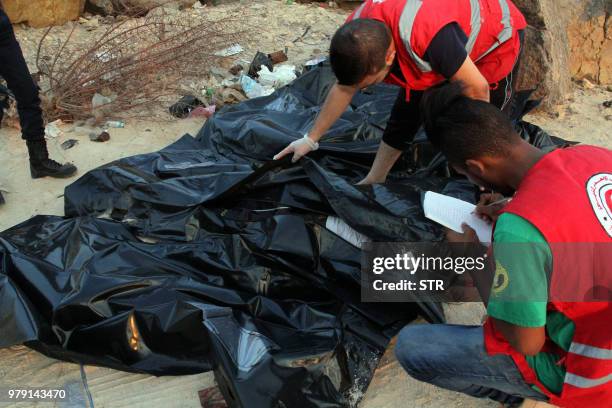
(1,199)
(42,166)
(51,168)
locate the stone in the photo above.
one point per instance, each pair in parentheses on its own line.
(559,111)
(149,4)
(220,73)
(108,7)
(544,64)
(103,136)
(565,39)
(235,70)
(43,13)
(586,84)
(104,7)
(590,42)
(92,23)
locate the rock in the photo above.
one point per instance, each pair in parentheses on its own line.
(92,23)
(586,84)
(235,70)
(605,61)
(559,111)
(43,13)
(573,110)
(544,64)
(149,4)
(109,7)
(589,38)
(565,39)
(220,2)
(99,137)
(107,20)
(104,7)
(220,73)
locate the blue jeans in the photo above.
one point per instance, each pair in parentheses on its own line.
(454,357)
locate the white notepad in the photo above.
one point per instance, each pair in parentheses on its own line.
(452,212)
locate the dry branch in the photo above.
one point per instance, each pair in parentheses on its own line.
(136,63)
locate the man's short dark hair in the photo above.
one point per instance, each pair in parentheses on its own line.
(358,49)
(464,128)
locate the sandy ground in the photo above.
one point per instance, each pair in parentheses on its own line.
(583,118)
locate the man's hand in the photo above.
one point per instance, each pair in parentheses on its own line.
(299,148)
(336,102)
(467,237)
(488,212)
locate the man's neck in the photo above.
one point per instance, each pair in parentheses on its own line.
(522,159)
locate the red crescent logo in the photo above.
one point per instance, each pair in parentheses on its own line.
(599,191)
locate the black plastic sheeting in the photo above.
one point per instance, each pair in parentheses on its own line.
(208,255)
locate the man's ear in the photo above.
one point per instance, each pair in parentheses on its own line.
(390,57)
(475,167)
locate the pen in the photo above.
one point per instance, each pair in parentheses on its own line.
(507,199)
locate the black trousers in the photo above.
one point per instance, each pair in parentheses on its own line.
(405,119)
(14,70)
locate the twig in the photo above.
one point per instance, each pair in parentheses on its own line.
(303,35)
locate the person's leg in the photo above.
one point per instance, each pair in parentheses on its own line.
(14,70)
(453,357)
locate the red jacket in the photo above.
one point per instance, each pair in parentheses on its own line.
(567,196)
(492,40)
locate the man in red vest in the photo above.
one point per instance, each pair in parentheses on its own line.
(548,335)
(418,44)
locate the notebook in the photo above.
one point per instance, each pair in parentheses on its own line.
(452,212)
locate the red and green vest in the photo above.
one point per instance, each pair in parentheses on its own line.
(567,196)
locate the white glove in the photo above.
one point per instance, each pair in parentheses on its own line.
(300,147)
